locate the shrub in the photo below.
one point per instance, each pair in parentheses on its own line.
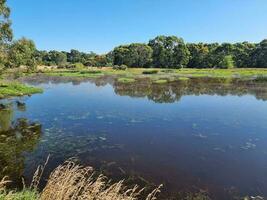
(91,72)
(120,67)
(154,71)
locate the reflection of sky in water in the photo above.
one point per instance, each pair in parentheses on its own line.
(216,143)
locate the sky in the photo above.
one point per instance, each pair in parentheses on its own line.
(100,25)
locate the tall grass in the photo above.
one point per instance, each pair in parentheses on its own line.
(70,181)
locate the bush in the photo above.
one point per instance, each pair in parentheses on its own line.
(71,66)
(120,67)
(154,71)
(91,72)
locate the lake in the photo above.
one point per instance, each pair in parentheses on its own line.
(199,135)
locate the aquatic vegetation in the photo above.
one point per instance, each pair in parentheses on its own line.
(160,81)
(183,79)
(9,89)
(126,80)
(90,72)
(185,72)
(261,78)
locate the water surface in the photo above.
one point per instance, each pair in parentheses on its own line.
(207,135)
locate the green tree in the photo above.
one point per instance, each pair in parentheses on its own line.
(169,52)
(6,34)
(55,58)
(75,56)
(133,55)
(198,55)
(227,62)
(5,23)
(259,55)
(21,52)
(121,55)
(242,54)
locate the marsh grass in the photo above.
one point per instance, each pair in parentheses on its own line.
(261,79)
(91,72)
(160,81)
(154,71)
(70,181)
(183,79)
(185,72)
(126,80)
(9,89)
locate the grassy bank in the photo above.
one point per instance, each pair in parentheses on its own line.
(137,72)
(10,89)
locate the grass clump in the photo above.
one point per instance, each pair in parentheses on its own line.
(10,89)
(71,181)
(119,67)
(154,71)
(23,195)
(160,81)
(91,72)
(126,80)
(261,78)
(183,79)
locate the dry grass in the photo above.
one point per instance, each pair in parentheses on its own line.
(75,182)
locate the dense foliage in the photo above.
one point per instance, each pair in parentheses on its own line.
(160,52)
(173,52)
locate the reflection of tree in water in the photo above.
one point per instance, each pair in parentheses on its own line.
(173,91)
(45,79)
(167,92)
(15,139)
(6,116)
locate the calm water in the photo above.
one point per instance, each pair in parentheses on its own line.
(199,135)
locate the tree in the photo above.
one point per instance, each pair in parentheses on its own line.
(5,29)
(55,58)
(242,54)
(140,55)
(121,55)
(6,34)
(21,52)
(259,55)
(75,56)
(227,62)
(169,52)
(133,55)
(198,55)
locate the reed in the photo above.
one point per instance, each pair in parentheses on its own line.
(70,181)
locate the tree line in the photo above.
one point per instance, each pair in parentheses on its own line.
(160,52)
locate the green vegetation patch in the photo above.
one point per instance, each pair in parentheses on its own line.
(183,79)
(23,195)
(160,81)
(126,80)
(261,78)
(91,72)
(8,89)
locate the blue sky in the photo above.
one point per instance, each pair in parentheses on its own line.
(100,25)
